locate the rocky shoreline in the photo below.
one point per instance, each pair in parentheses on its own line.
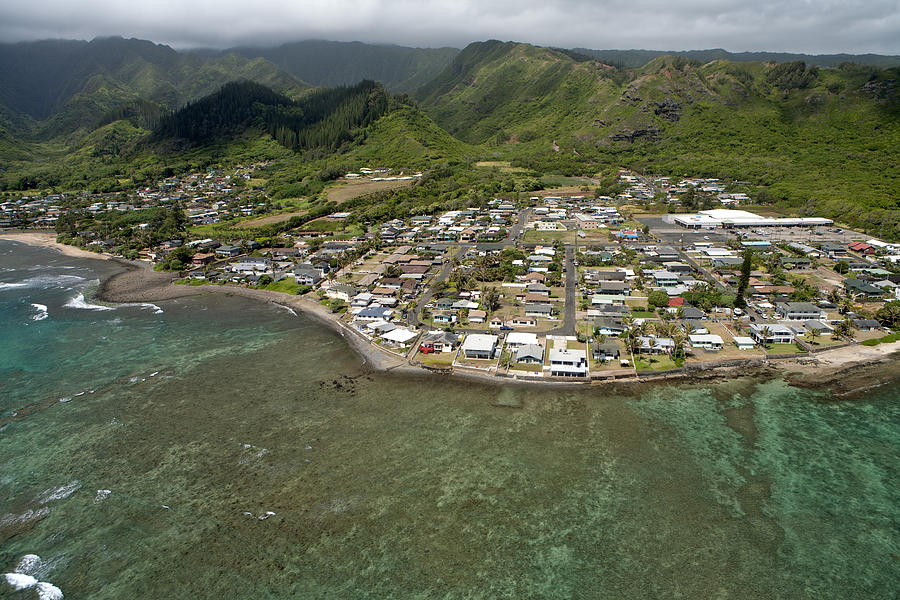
(845,372)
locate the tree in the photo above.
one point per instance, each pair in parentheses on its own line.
(490,298)
(765,333)
(746,268)
(812,335)
(889,314)
(841,267)
(844,329)
(658,298)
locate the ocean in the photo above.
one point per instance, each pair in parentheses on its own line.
(218,447)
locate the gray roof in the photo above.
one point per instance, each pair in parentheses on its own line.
(530,351)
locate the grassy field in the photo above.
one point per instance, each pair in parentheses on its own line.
(656,362)
(342,192)
(298,208)
(534,236)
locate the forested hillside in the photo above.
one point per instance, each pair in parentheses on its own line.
(330,64)
(323,119)
(58,87)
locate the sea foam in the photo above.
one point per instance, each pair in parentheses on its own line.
(29,564)
(78,301)
(60,493)
(42,312)
(20,581)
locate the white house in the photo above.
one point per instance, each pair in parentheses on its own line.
(709,341)
(568,363)
(479,345)
(777,333)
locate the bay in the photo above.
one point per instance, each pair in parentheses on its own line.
(216,447)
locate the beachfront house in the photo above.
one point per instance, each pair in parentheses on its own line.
(708,341)
(530,354)
(439,341)
(479,345)
(744,343)
(799,311)
(568,362)
(605,351)
(771,333)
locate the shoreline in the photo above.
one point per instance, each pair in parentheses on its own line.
(47,239)
(846,372)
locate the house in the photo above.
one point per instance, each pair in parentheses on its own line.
(568,363)
(523,322)
(227,251)
(534,277)
(251,264)
(378,313)
(439,341)
(692,312)
(521,338)
(665,279)
(530,354)
(656,345)
(538,288)
(538,310)
(341,291)
(795,262)
(477,316)
(605,351)
(399,336)
(834,250)
(615,287)
(479,345)
(866,324)
(496,323)
(744,343)
(709,341)
(819,327)
(307,274)
(776,334)
(861,248)
(444,316)
(799,311)
(609,326)
(857,288)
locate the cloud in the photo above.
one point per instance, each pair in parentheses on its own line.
(823,26)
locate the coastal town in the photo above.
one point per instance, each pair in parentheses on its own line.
(562,284)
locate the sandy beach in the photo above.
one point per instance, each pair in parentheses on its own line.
(846,371)
(48,240)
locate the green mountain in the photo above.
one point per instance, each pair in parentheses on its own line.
(639,58)
(330,64)
(825,139)
(323,119)
(57,88)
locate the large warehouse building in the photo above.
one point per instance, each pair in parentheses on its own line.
(728,219)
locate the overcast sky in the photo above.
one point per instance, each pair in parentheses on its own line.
(810,26)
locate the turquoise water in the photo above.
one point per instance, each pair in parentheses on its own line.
(223,448)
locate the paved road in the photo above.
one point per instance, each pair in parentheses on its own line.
(515,232)
(568,326)
(415,316)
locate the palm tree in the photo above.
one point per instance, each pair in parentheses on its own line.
(834,296)
(765,333)
(812,334)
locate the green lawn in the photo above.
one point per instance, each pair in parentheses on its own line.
(656,362)
(785,349)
